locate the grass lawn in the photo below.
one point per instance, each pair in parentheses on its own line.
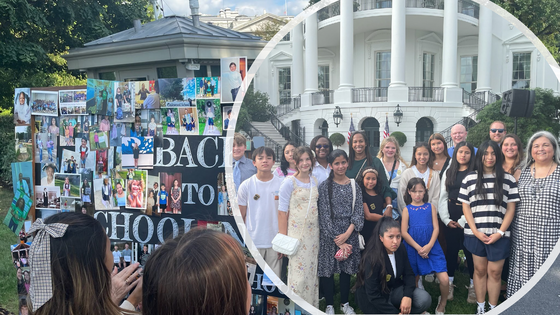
(8,289)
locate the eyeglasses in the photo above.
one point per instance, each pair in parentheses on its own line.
(322,146)
(497,130)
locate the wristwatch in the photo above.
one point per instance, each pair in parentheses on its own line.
(501,233)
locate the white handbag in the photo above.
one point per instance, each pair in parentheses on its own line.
(288,245)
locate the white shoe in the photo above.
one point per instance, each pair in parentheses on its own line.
(347,309)
(471,298)
(329,310)
(451,291)
(479,311)
(429,278)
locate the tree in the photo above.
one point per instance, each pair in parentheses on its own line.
(543,118)
(267,30)
(255,107)
(401,137)
(33,35)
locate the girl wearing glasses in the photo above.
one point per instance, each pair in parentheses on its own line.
(536,228)
(322,147)
(489,196)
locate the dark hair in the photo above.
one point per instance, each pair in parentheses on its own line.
(299,152)
(78,268)
(438,136)
(313,143)
(411,184)
(233,63)
(332,156)
(351,155)
(427,147)
(266,150)
(480,188)
(360,180)
(196,273)
(451,173)
(284,164)
(229,111)
(520,152)
(374,254)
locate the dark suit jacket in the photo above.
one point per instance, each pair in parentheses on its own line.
(370,297)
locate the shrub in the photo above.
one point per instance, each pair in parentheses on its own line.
(401,137)
(337,139)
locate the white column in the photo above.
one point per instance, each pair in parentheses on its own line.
(453,94)
(311,54)
(449,66)
(484,49)
(297,55)
(398,91)
(346,44)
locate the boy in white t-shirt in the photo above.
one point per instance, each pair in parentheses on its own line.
(258,202)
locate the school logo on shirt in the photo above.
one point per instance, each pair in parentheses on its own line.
(163,197)
(388,278)
(372,206)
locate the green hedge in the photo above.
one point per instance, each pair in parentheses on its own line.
(7,143)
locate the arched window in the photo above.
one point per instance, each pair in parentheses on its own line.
(371,127)
(424,129)
(324,129)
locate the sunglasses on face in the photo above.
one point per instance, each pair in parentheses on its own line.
(322,146)
(497,130)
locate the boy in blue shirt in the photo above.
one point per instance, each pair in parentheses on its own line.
(163,199)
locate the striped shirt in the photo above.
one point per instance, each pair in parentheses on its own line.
(487,216)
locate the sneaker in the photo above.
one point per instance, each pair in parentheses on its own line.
(451,291)
(429,278)
(479,311)
(472,295)
(329,310)
(347,309)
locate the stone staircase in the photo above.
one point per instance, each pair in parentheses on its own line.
(268,129)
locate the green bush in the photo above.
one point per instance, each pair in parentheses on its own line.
(337,139)
(7,143)
(401,137)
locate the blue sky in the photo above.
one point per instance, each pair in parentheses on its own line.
(246,7)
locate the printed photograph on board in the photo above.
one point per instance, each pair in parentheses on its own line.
(124,102)
(208,88)
(103,194)
(174,92)
(23,143)
(22,110)
(137,152)
(72,102)
(22,177)
(47,173)
(100,97)
(136,192)
(86,156)
(70,163)
(170,121)
(45,147)
(233,71)
(151,122)
(119,192)
(69,184)
(44,103)
(47,197)
(189,121)
(170,193)
(70,127)
(209,117)
(152,204)
(144,92)
(19,209)
(229,123)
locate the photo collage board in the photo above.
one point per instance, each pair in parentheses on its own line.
(146,158)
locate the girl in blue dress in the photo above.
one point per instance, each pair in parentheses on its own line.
(420,230)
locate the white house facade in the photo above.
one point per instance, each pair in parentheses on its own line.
(440,61)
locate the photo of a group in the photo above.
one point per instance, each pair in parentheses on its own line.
(72,102)
(100,97)
(22,110)
(45,147)
(208,88)
(70,128)
(233,71)
(170,193)
(44,103)
(189,120)
(124,102)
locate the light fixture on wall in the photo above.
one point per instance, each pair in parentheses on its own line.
(337,116)
(397,115)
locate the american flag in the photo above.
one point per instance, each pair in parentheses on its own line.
(386,130)
(350,130)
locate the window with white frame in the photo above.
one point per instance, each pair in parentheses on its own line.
(382,68)
(284,85)
(324,77)
(469,73)
(521,78)
(428,69)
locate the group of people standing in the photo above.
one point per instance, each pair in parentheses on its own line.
(493,202)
